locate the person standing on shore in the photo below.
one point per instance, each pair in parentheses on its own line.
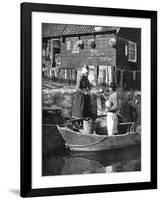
(112,108)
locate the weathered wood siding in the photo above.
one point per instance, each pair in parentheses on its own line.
(100,59)
(73,57)
(125,35)
(128,73)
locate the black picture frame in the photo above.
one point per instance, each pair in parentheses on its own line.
(26,101)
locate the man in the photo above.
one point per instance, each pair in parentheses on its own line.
(112,108)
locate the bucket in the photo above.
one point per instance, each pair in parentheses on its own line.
(88,126)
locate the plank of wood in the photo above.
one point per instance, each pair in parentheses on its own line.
(80,61)
(95,53)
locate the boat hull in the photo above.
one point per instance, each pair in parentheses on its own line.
(76,141)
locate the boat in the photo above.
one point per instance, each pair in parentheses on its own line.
(80,141)
(110,157)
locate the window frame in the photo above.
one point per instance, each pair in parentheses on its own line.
(135,50)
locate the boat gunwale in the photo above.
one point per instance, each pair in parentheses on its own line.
(75,147)
(97,135)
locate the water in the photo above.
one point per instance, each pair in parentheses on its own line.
(64,162)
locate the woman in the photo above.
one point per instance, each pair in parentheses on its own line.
(82,103)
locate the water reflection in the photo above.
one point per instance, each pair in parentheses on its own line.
(65,162)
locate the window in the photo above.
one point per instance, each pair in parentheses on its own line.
(132,52)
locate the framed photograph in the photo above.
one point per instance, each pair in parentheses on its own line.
(88,99)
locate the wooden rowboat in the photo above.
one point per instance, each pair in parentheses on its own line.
(78,141)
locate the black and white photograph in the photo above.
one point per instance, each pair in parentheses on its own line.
(88,109)
(91,99)
(80,100)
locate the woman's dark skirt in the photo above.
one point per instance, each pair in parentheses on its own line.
(81,105)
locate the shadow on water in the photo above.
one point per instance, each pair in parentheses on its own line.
(65,162)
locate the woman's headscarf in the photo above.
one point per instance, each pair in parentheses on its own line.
(85,69)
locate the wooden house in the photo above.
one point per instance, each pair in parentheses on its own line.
(113,54)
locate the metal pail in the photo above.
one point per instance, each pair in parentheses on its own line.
(88,126)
